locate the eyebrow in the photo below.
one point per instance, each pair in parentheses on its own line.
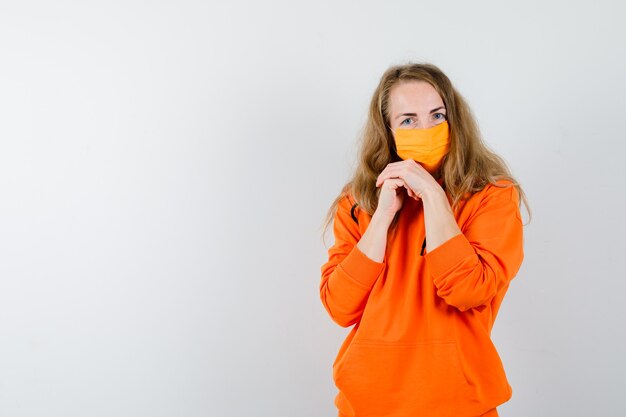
(414,114)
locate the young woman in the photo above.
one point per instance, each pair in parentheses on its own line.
(428,235)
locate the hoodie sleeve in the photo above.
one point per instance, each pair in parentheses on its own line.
(469,269)
(349,275)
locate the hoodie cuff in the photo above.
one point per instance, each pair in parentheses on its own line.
(362,269)
(449,254)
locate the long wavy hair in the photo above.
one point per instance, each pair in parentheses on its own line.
(466,169)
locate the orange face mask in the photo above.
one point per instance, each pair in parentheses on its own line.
(426,146)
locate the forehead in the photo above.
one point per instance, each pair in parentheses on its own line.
(413,96)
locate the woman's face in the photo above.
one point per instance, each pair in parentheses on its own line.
(415,105)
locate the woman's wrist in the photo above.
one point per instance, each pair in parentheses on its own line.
(434,193)
(380,219)
(373,243)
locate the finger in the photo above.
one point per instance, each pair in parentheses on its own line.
(379,180)
(387,173)
(412,194)
(409,190)
(393,183)
(381,177)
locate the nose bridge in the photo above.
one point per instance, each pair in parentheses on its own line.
(423,123)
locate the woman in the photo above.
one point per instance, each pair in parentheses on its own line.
(428,235)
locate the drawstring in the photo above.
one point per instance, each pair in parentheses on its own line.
(356,220)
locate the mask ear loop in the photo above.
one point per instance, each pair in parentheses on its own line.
(393,145)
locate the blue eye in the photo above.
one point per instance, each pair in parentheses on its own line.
(405,121)
(440,114)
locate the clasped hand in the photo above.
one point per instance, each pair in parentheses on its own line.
(417,181)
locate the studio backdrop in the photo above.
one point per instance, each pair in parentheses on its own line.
(165,169)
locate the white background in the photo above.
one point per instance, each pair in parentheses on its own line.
(165,167)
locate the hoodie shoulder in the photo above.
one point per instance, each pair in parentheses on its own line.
(503,190)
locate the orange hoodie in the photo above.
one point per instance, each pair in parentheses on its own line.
(421,344)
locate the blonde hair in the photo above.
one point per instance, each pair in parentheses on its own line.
(467,168)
